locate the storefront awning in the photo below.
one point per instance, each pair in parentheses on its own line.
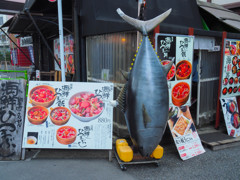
(222,14)
(10,7)
(44,14)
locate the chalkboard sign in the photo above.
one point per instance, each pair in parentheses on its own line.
(12,109)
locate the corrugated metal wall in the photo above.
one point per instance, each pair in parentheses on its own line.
(113,52)
(209,78)
(110,51)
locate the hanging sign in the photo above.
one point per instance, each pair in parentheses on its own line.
(26,41)
(231,116)
(68,53)
(69,115)
(12,107)
(178,49)
(230,86)
(184,133)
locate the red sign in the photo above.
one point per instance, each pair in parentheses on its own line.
(52,0)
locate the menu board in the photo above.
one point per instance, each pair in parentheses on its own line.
(184,132)
(68,115)
(12,102)
(231,116)
(230,85)
(68,42)
(178,49)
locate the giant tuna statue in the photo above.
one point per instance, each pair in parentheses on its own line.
(144,98)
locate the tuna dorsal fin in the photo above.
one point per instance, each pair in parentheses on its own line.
(125,74)
(144,26)
(146,118)
(122,99)
(167,67)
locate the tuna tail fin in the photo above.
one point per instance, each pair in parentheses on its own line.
(144,26)
(167,67)
(146,117)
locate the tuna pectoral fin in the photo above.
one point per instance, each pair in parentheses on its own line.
(122,99)
(125,74)
(146,117)
(167,67)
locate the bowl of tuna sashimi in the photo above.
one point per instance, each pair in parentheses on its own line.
(42,95)
(180,93)
(66,135)
(183,70)
(86,106)
(171,72)
(60,115)
(37,115)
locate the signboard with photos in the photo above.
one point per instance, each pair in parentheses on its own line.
(231,116)
(179,49)
(230,85)
(68,42)
(68,115)
(184,132)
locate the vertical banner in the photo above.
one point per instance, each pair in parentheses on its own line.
(68,53)
(184,133)
(12,108)
(69,115)
(230,86)
(178,49)
(231,116)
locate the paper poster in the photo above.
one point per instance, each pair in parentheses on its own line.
(68,42)
(230,86)
(178,49)
(231,116)
(184,133)
(69,115)
(12,103)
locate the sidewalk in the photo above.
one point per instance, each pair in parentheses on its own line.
(84,165)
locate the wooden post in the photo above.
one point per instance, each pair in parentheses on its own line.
(217,122)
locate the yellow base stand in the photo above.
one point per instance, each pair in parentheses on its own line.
(157,153)
(125,152)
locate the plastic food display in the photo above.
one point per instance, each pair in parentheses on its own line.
(37,114)
(85,106)
(60,115)
(42,95)
(66,135)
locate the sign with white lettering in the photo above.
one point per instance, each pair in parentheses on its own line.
(26,41)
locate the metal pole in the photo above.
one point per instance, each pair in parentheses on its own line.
(199,86)
(217,122)
(76,43)
(60,22)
